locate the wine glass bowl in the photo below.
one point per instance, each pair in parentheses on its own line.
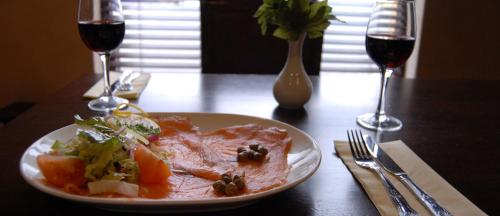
(102,28)
(102,36)
(390,38)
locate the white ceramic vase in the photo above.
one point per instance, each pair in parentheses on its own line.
(293,88)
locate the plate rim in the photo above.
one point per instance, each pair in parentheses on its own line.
(36,183)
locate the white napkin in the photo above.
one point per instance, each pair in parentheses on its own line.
(139,84)
(421,173)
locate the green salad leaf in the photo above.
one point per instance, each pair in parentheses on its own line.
(144,130)
(97,123)
(104,150)
(99,158)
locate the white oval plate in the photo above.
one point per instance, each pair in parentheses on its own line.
(304,159)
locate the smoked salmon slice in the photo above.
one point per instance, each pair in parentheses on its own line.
(198,159)
(259,176)
(186,152)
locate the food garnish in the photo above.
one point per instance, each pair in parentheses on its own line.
(228,185)
(254,152)
(107,156)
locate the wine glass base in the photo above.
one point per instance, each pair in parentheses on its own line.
(106,103)
(383,123)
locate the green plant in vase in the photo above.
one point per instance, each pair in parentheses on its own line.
(294,17)
(292,20)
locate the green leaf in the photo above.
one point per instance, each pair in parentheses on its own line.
(57,145)
(270,2)
(97,123)
(333,17)
(318,27)
(263,28)
(319,14)
(316,6)
(282,33)
(93,136)
(299,6)
(293,17)
(315,34)
(144,130)
(99,157)
(259,12)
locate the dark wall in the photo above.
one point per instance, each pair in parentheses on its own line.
(232,43)
(460,40)
(41,49)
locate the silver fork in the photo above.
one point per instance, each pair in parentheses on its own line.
(363,159)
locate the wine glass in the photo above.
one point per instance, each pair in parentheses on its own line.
(390,37)
(102,27)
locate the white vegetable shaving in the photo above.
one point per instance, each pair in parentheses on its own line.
(114,186)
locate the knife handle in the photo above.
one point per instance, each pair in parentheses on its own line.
(404,209)
(425,198)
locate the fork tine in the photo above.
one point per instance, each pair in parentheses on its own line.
(362,145)
(356,146)
(354,155)
(365,147)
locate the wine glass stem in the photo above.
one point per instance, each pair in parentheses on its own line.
(105,63)
(386,75)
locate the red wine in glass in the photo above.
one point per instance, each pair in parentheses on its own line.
(102,35)
(389,51)
(102,27)
(390,37)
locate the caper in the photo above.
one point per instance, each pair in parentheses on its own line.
(249,154)
(238,181)
(240,149)
(219,186)
(243,156)
(231,189)
(258,156)
(262,150)
(254,146)
(226,178)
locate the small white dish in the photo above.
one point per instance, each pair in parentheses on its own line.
(304,158)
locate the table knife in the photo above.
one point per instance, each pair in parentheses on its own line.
(126,84)
(119,82)
(391,166)
(116,84)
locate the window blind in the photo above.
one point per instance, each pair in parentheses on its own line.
(164,36)
(344,44)
(160,36)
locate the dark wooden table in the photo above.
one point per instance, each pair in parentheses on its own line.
(451,125)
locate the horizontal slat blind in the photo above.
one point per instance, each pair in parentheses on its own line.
(160,36)
(164,36)
(344,44)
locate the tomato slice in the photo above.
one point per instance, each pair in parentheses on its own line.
(154,191)
(152,169)
(62,170)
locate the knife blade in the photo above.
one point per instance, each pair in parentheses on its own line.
(126,84)
(388,164)
(119,82)
(382,157)
(115,86)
